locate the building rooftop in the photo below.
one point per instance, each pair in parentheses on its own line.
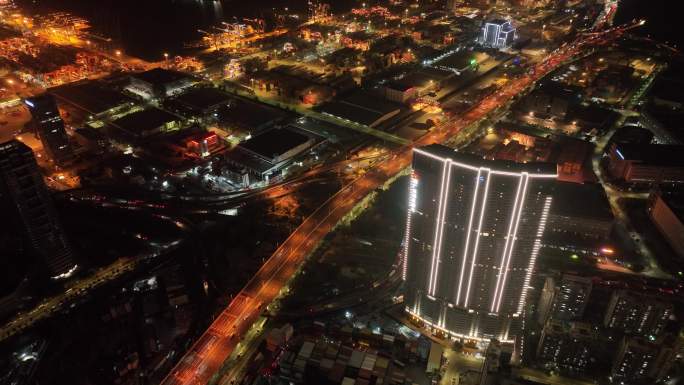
(398,85)
(523,129)
(653,154)
(594,115)
(581,200)
(249,114)
(359,107)
(668,88)
(477,161)
(632,134)
(249,160)
(13,146)
(144,120)
(274,143)
(671,120)
(562,90)
(90,133)
(437,74)
(675,201)
(414,79)
(458,61)
(90,96)
(201,99)
(160,76)
(576,329)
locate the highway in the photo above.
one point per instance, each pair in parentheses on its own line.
(204,359)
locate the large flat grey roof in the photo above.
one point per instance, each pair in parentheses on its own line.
(148,119)
(581,200)
(274,143)
(360,107)
(90,96)
(203,98)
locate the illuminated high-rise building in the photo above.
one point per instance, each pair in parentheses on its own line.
(474,231)
(498,33)
(26,203)
(49,127)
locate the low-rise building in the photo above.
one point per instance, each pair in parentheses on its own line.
(361,108)
(248,117)
(160,83)
(204,144)
(435,358)
(412,86)
(667,213)
(91,139)
(582,211)
(93,98)
(199,102)
(400,92)
(573,160)
(552,99)
(278,337)
(264,156)
(653,163)
(145,123)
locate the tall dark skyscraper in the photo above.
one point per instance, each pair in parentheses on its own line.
(25,200)
(50,128)
(474,230)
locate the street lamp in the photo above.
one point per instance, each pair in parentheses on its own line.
(118,52)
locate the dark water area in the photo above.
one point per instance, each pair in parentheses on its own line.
(147,28)
(662,19)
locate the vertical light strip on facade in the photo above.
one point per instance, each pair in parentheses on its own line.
(469,230)
(437,228)
(535,252)
(413,199)
(445,207)
(521,207)
(511,224)
(477,240)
